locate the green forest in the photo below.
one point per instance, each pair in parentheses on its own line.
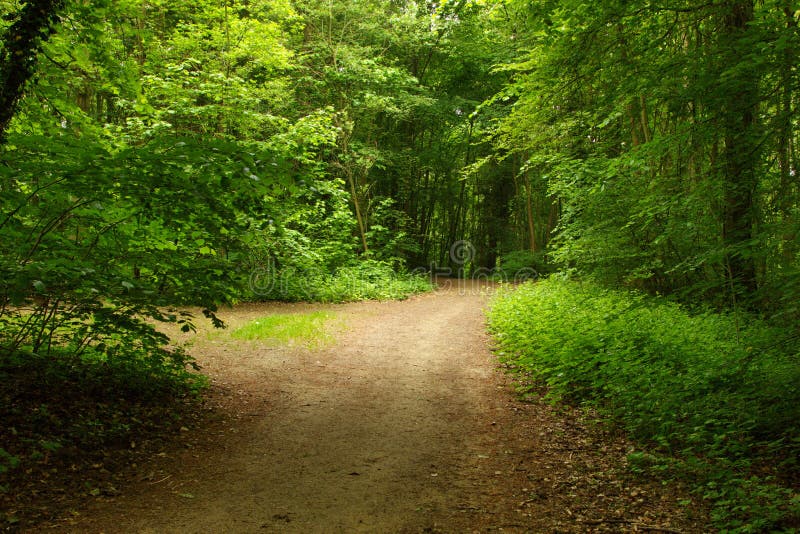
(638,158)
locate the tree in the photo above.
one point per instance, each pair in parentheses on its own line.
(664,133)
(21,44)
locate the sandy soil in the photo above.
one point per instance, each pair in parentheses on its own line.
(403,424)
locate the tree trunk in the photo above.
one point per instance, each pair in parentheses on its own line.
(22,42)
(529,213)
(785,142)
(739,109)
(359,217)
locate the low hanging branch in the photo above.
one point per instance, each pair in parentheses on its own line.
(21,44)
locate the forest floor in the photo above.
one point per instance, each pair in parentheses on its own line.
(402,423)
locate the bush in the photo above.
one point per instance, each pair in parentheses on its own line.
(723,388)
(64,410)
(365,280)
(511,264)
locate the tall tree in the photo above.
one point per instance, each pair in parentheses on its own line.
(738,107)
(665,132)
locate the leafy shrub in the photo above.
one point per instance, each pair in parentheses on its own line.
(367,279)
(720,387)
(100,338)
(388,241)
(522,261)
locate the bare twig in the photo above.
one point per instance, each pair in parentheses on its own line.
(636,524)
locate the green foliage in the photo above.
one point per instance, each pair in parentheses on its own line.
(311,329)
(666,141)
(721,390)
(388,233)
(7,461)
(515,262)
(168,154)
(372,280)
(144,169)
(364,280)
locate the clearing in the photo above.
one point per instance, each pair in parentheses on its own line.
(402,423)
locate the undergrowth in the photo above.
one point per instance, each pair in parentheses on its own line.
(713,398)
(81,382)
(61,415)
(365,280)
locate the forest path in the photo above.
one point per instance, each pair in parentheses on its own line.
(404,424)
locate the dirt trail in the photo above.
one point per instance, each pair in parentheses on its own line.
(402,425)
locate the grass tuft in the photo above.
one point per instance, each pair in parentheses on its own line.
(312,330)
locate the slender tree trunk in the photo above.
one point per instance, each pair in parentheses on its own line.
(552,220)
(361,227)
(22,42)
(633,120)
(785,138)
(646,135)
(529,213)
(426,213)
(740,104)
(347,169)
(637,114)
(459,221)
(142,52)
